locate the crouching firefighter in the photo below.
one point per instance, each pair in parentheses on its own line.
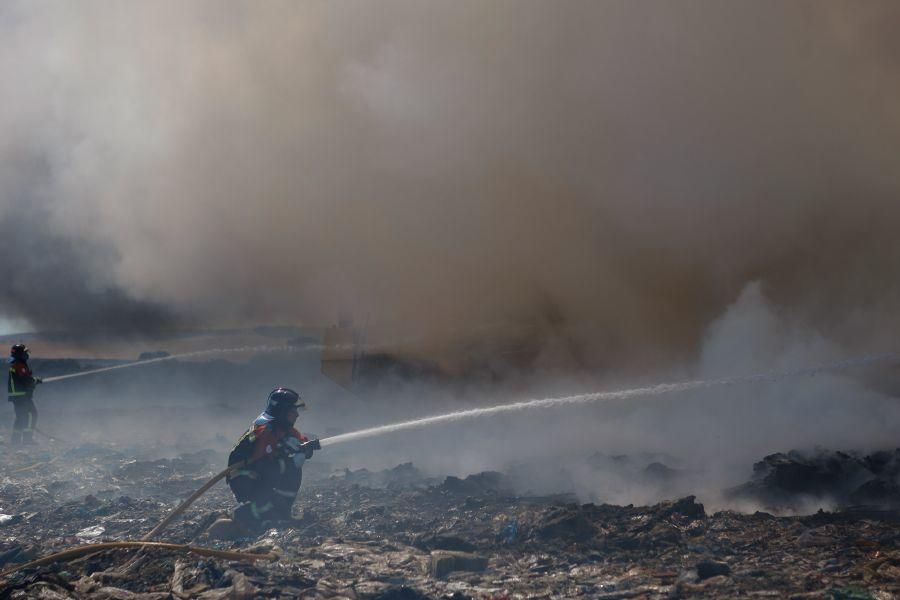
(267,485)
(20,389)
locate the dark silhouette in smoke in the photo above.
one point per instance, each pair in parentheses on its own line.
(61,284)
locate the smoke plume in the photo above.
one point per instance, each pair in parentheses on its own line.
(606,176)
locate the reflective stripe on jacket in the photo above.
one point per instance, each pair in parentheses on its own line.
(20,382)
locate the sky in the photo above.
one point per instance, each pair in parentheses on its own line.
(606,177)
(10,326)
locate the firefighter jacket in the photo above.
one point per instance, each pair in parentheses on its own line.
(269,484)
(21,382)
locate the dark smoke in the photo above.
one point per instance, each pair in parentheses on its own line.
(602,177)
(61,284)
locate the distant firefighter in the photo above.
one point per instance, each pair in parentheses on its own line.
(267,486)
(20,388)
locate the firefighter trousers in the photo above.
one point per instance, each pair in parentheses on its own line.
(26,419)
(266,504)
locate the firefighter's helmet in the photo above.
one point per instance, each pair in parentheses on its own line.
(282,399)
(19,351)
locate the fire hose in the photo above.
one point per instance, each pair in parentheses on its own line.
(193,497)
(146,543)
(73,553)
(43,462)
(36,465)
(308,446)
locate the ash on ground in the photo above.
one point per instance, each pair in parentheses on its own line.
(401,534)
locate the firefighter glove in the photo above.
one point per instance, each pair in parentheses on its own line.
(291,445)
(310,446)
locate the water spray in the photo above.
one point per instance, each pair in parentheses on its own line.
(150,361)
(655,390)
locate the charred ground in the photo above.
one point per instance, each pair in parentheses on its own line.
(399,533)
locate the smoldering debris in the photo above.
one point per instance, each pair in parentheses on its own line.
(795,480)
(401,533)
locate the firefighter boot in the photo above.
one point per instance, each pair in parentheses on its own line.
(227,530)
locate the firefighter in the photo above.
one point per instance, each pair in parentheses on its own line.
(20,388)
(267,486)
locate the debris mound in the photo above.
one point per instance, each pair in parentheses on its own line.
(794,480)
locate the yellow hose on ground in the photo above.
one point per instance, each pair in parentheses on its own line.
(184,506)
(190,500)
(52,438)
(38,464)
(73,553)
(145,542)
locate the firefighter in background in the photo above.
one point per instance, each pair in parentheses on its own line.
(20,388)
(267,486)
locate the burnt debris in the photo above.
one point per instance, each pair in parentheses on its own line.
(401,534)
(793,480)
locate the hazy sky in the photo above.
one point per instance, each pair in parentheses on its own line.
(13,326)
(608,175)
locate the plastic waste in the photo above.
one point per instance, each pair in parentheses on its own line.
(509,533)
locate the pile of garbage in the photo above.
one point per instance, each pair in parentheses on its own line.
(790,481)
(399,534)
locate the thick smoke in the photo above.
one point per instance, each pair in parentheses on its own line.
(706,439)
(605,176)
(58,281)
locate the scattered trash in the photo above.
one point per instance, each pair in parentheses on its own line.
(400,534)
(444,562)
(509,533)
(91,533)
(849,593)
(711,568)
